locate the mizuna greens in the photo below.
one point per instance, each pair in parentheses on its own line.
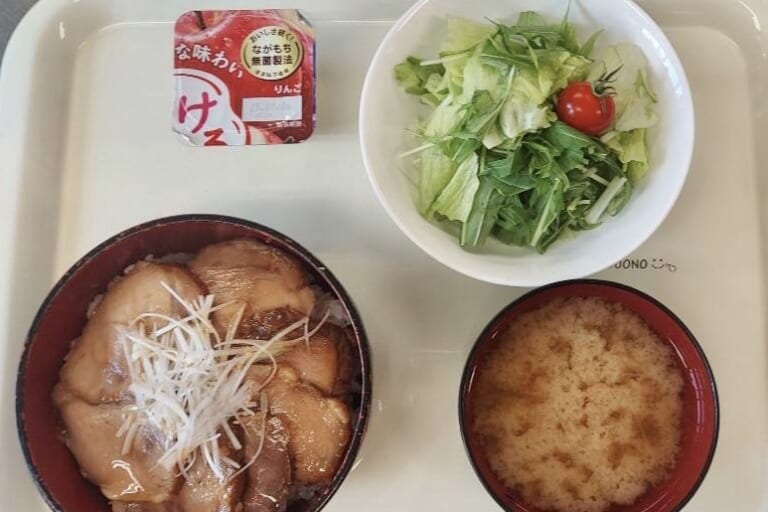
(494,160)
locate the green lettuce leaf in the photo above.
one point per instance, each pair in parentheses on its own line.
(478,76)
(436,172)
(632,149)
(447,117)
(456,200)
(527,108)
(462,34)
(423,81)
(522,115)
(634,97)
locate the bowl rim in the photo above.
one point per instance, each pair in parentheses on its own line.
(483,338)
(359,428)
(507,279)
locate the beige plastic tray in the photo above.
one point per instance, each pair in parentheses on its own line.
(86,150)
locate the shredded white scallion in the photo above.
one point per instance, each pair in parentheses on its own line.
(189,384)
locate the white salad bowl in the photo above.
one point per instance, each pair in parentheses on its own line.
(386,112)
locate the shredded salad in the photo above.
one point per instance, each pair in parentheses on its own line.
(501,153)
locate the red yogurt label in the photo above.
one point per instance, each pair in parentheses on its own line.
(244,77)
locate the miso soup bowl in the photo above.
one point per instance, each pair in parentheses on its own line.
(700,418)
(61,319)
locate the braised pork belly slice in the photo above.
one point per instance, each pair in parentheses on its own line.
(269,478)
(324,362)
(95,367)
(91,435)
(204,492)
(123,506)
(318,427)
(267,324)
(255,276)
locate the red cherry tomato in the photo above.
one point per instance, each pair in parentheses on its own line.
(580,107)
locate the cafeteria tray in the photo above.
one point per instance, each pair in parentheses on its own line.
(86,149)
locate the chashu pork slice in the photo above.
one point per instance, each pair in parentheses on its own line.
(202,491)
(269,477)
(255,276)
(135,506)
(326,361)
(318,427)
(91,435)
(95,367)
